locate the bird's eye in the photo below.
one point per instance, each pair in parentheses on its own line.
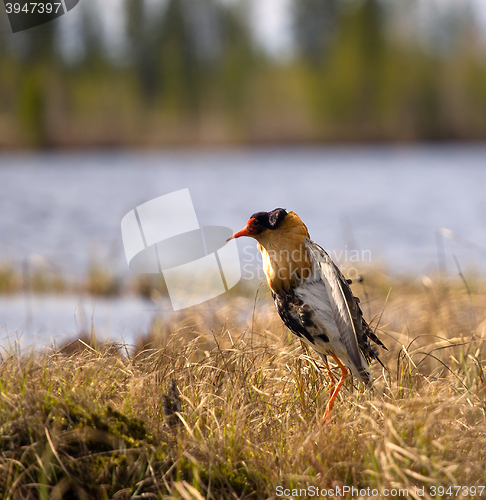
(255,222)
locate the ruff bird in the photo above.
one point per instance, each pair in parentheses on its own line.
(312,296)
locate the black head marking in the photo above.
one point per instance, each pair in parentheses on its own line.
(270,220)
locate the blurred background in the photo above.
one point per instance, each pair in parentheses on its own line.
(366,117)
(225,72)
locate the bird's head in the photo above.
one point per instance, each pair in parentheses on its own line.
(261,222)
(281,240)
(265,226)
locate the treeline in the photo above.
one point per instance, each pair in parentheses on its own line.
(193,72)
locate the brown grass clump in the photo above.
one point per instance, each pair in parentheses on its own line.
(221,402)
(10,281)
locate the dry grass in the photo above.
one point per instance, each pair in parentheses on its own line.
(242,416)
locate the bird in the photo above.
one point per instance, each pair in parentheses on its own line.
(313,298)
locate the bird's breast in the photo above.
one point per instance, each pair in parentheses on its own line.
(285,266)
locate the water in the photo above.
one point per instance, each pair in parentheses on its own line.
(57,319)
(386,202)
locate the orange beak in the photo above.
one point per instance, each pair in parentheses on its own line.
(243,232)
(247,231)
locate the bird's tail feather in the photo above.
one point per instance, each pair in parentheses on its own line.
(362,373)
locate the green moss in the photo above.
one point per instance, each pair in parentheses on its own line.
(68,416)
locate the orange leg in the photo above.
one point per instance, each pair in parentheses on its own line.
(332,380)
(334,393)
